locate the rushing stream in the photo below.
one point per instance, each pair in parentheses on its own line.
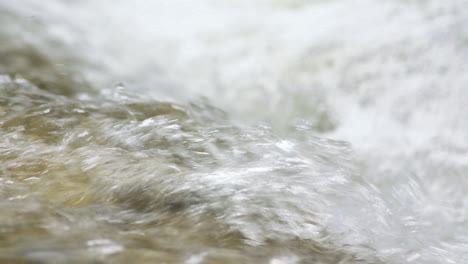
(247,131)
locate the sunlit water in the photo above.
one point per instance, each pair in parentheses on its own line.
(234,131)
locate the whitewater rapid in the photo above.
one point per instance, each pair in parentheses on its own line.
(223,131)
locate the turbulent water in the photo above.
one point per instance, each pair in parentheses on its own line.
(250,131)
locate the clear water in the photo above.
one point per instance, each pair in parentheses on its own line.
(233,131)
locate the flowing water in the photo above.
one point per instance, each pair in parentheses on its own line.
(249,131)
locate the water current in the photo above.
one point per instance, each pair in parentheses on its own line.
(248,131)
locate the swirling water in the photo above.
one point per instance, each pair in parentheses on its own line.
(233,131)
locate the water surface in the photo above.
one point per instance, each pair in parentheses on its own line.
(233,132)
